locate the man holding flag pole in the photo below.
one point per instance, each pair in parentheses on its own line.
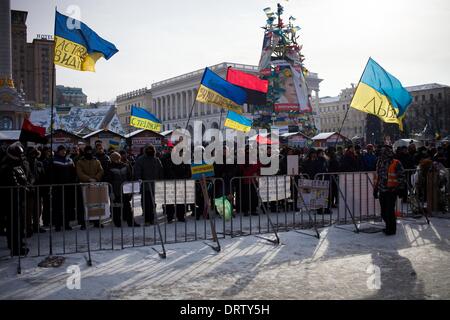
(381,94)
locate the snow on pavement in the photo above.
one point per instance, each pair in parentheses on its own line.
(414,264)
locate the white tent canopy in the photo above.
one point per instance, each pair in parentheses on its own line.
(407,142)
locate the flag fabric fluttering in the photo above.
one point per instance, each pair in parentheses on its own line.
(255,87)
(142,119)
(77,46)
(237,122)
(381,94)
(202,170)
(219,92)
(32,133)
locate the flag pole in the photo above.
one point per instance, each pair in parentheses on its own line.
(220,119)
(195,99)
(348,109)
(52,107)
(190,113)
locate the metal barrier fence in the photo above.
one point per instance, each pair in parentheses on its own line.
(174,211)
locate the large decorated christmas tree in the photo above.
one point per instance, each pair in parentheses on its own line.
(288,99)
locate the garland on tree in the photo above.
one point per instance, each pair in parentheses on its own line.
(281,63)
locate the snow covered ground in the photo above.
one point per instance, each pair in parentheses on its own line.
(414,264)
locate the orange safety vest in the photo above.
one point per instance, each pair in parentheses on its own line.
(392,175)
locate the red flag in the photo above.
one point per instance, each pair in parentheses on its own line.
(32,133)
(255,87)
(247,81)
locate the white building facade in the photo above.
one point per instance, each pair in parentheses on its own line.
(173,98)
(332,112)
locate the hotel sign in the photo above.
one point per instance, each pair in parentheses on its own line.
(44,37)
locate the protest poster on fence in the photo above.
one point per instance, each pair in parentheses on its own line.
(313,194)
(356,193)
(293,165)
(175,192)
(278,188)
(96,201)
(131,187)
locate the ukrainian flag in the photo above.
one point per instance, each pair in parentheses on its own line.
(200,170)
(77,46)
(237,122)
(381,94)
(114,144)
(142,119)
(219,92)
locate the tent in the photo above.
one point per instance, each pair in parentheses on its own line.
(406,143)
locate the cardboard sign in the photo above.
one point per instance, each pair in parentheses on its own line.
(96,201)
(292,165)
(131,188)
(274,188)
(175,192)
(313,193)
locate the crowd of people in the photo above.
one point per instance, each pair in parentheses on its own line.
(62,207)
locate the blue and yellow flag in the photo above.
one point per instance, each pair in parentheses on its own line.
(219,92)
(237,122)
(77,46)
(142,119)
(199,170)
(381,94)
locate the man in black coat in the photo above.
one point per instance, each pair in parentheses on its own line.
(36,175)
(313,165)
(118,173)
(333,167)
(175,172)
(148,168)
(13,173)
(63,178)
(348,161)
(101,156)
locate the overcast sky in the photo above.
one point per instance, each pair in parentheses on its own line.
(162,39)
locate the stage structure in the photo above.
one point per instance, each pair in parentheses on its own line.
(288,99)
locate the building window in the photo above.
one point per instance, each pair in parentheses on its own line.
(423,97)
(416,98)
(431,97)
